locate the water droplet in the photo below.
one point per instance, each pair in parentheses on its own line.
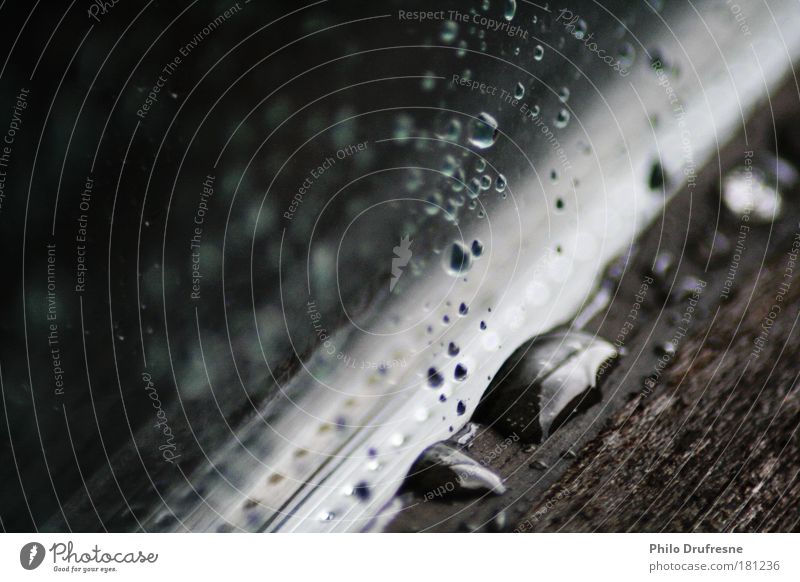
(461,408)
(435,379)
(546,380)
(449,32)
(666,349)
(449,166)
(326,516)
(657,178)
(538,53)
(474,188)
(458,260)
(453,349)
(460,373)
(511,9)
(434,203)
(442,463)
(480,165)
(451,130)
(627,55)
(754,191)
(484,131)
(499,522)
(663,266)
(562,119)
(519,92)
(477,248)
(483,325)
(580,29)
(467,434)
(563,95)
(500,183)
(361,490)
(463,309)
(486,182)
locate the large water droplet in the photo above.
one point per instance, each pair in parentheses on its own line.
(484,131)
(543,382)
(442,469)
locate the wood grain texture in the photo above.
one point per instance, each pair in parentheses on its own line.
(714,447)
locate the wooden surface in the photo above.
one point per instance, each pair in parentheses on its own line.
(715,447)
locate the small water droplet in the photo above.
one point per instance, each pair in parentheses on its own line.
(453,349)
(484,131)
(467,434)
(500,183)
(580,29)
(435,379)
(451,130)
(538,53)
(434,203)
(460,372)
(519,92)
(666,349)
(627,55)
(461,408)
(463,309)
(458,261)
(449,166)
(511,9)
(657,179)
(449,32)
(754,190)
(361,490)
(562,119)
